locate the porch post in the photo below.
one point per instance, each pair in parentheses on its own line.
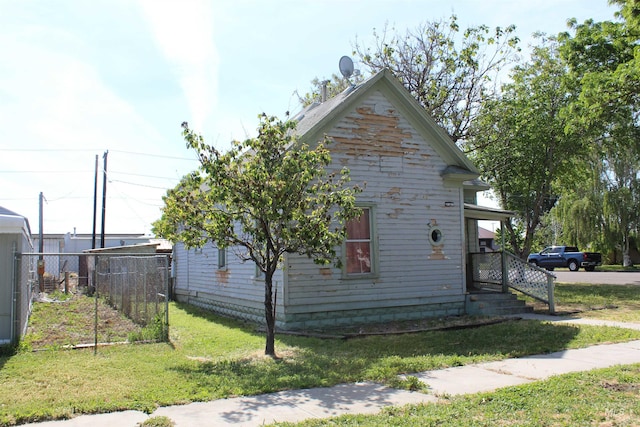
(550,286)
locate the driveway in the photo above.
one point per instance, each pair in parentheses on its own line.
(598,277)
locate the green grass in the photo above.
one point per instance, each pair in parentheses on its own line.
(611,302)
(209,357)
(70,321)
(605,397)
(616,267)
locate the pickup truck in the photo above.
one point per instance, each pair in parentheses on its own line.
(565,256)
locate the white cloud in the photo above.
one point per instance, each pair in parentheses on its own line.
(183,32)
(52,98)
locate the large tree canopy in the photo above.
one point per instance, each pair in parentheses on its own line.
(520,144)
(449,72)
(267,196)
(604,60)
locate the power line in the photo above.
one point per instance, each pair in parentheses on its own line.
(45,171)
(48,149)
(155,155)
(63,150)
(142,175)
(139,185)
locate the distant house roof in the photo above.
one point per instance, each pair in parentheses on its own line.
(316,119)
(483,233)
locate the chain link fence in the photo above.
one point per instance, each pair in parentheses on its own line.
(89,299)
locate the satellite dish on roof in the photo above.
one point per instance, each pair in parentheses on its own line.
(346,67)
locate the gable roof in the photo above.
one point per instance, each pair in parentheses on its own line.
(11,222)
(317,118)
(5,211)
(483,233)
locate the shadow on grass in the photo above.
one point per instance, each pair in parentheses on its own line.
(309,363)
(245,326)
(6,352)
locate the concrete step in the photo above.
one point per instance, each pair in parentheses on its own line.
(495,304)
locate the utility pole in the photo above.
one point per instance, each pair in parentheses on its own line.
(95,205)
(104,197)
(41,245)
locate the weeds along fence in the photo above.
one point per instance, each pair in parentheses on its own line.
(100,297)
(136,286)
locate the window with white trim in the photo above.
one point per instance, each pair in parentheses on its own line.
(359,245)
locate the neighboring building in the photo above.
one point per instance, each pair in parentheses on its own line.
(406,257)
(486,240)
(69,243)
(15,287)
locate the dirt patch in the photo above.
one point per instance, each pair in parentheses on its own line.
(621,387)
(59,321)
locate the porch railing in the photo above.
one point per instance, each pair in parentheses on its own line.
(504,270)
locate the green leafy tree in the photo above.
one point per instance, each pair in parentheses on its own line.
(450,72)
(604,64)
(521,146)
(267,196)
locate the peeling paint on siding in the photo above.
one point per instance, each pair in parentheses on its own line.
(396,213)
(326,272)
(222,277)
(373,135)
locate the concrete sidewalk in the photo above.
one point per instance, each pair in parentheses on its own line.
(367,398)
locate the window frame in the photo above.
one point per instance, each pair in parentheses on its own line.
(222,260)
(373,248)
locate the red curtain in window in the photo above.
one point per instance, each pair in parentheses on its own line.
(358,245)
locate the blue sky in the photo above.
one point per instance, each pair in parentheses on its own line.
(78,78)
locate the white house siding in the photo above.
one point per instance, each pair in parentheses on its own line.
(407,193)
(232,291)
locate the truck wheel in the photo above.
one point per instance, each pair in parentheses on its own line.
(573,265)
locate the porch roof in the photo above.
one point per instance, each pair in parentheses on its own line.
(486,213)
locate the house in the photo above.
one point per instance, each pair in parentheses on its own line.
(62,249)
(406,257)
(15,287)
(74,243)
(487,240)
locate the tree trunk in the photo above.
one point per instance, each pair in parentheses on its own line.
(270,349)
(626,251)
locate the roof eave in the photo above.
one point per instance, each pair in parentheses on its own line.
(485,213)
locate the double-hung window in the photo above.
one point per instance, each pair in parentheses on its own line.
(359,245)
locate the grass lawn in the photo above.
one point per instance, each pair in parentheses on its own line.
(209,357)
(604,397)
(611,302)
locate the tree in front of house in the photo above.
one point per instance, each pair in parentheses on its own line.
(267,196)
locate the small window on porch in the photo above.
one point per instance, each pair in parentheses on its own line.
(358,247)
